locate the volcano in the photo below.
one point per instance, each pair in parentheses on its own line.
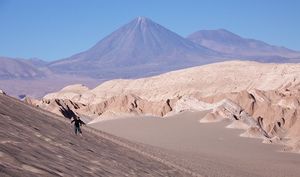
(139,48)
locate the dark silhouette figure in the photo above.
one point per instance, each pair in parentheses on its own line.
(77,124)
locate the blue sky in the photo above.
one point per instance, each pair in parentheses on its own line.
(54,29)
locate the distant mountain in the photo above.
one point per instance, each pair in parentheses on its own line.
(139,48)
(227,42)
(36,62)
(11,68)
(144,48)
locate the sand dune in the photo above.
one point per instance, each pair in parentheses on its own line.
(34,142)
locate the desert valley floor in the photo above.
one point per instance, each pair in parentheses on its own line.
(209,149)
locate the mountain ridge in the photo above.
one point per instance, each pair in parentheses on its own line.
(12,68)
(228,42)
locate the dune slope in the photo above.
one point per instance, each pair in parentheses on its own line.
(36,143)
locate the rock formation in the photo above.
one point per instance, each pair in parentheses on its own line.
(262,99)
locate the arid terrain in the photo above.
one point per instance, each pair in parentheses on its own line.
(261,99)
(38,143)
(210,149)
(159,88)
(35,142)
(254,100)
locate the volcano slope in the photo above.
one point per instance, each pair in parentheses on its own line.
(34,142)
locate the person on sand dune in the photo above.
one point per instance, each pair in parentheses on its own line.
(77,124)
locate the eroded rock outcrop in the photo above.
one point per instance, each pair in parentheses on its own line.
(123,105)
(271,115)
(262,99)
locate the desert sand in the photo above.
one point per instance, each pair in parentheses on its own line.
(209,149)
(34,142)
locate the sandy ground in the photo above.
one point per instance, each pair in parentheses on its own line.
(209,149)
(37,143)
